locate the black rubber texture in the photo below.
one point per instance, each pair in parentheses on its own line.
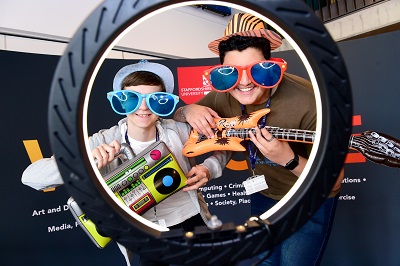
(226,246)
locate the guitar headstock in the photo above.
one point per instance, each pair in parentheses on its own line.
(378,148)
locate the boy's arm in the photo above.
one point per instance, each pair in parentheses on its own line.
(211,168)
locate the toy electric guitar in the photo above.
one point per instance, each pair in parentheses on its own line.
(376,147)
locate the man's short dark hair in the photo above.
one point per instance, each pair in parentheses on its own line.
(240,43)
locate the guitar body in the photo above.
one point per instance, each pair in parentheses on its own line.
(199,144)
(194,148)
(241,121)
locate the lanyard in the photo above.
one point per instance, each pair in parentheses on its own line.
(251,147)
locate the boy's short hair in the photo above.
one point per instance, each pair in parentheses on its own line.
(142,78)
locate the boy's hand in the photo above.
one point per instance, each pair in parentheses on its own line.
(198,176)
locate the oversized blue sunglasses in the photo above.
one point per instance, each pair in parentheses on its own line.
(125,102)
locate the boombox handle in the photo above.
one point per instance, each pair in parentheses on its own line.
(125,153)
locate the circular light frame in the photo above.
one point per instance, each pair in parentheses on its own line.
(70,89)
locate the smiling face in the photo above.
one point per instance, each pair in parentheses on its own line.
(141,123)
(246,92)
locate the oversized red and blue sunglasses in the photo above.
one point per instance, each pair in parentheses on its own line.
(265,74)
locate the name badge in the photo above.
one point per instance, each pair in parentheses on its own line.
(161,222)
(255,184)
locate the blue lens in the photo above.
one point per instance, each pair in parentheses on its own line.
(125,102)
(266,73)
(161,103)
(224,77)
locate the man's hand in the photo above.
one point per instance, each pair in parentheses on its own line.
(105,153)
(275,150)
(201,118)
(198,176)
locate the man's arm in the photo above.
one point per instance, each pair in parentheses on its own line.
(338,182)
(201,118)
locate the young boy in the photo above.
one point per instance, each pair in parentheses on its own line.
(142,92)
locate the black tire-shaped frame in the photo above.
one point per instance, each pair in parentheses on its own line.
(204,247)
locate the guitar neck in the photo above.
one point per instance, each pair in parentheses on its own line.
(377,147)
(296,135)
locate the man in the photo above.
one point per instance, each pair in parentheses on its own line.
(249,80)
